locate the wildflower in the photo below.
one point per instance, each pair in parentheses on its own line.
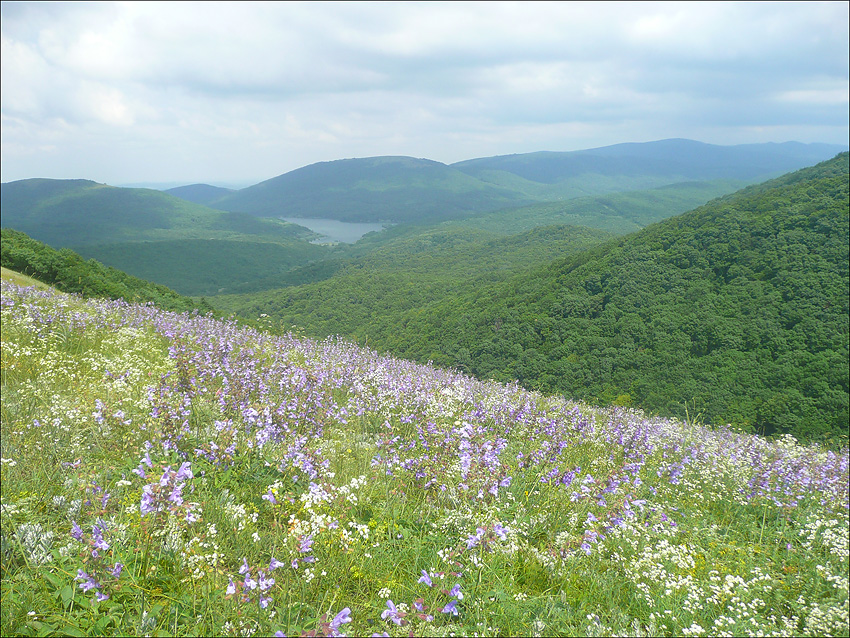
(274,563)
(455,591)
(391,613)
(425,578)
(500,531)
(451,608)
(340,619)
(231,588)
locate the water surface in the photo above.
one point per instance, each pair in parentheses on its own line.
(334,230)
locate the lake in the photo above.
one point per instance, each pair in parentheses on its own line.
(335,230)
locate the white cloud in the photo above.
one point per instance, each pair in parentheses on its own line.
(255,89)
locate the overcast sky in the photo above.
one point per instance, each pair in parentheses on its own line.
(235,93)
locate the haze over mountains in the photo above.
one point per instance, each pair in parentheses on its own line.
(406,189)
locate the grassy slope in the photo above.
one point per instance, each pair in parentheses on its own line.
(154,465)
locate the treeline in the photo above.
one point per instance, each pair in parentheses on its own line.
(69,272)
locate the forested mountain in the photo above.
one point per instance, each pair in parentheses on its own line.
(77,212)
(664,159)
(405,189)
(155,236)
(69,272)
(417,268)
(199,193)
(398,189)
(738,309)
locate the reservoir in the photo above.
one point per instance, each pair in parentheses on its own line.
(335,230)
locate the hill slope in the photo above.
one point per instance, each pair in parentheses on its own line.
(191,248)
(740,306)
(169,474)
(738,309)
(69,272)
(404,189)
(398,189)
(418,267)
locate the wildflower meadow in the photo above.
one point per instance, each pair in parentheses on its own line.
(173,474)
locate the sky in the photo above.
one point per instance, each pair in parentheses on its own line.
(235,93)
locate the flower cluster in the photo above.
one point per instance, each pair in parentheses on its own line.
(251,586)
(166,493)
(96,578)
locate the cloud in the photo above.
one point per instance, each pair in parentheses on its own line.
(251,90)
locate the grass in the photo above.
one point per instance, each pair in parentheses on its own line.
(168,474)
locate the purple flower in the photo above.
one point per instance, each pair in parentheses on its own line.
(185,472)
(451,608)
(500,531)
(455,591)
(101,596)
(425,578)
(116,571)
(244,569)
(148,505)
(591,518)
(274,563)
(270,497)
(341,618)
(391,613)
(231,588)
(76,531)
(265,583)
(306,544)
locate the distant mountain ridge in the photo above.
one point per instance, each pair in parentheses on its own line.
(406,189)
(199,193)
(374,189)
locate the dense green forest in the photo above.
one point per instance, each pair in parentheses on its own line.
(737,311)
(69,272)
(417,268)
(190,248)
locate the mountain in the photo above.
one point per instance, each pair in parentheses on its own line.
(405,189)
(666,160)
(79,212)
(738,309)
(396,189)
(199,193)
(153,235)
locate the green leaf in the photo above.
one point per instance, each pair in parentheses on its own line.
(67,595)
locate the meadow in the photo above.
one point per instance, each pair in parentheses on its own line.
(174,474)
